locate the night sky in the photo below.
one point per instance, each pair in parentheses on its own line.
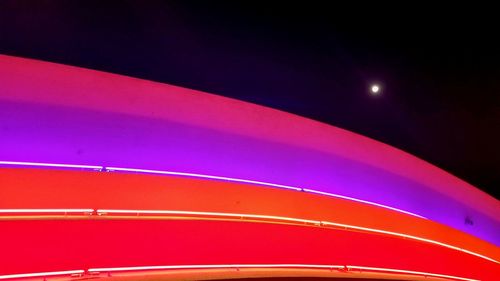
(439,67)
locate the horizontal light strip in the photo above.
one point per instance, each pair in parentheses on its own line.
(409,272)
(195,175)
(258,183)
(34,164)
(318,266)
(407,236)
(201,176)
(235,215)
(41,274)
(138,268)
(315,222)
(215,214)
(389,233)
(362,201)
(218,266)
(58,211)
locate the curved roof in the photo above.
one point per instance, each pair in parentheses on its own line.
(54,113)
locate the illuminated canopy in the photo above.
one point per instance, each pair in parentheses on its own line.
(107,173)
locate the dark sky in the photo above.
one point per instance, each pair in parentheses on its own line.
(439,66)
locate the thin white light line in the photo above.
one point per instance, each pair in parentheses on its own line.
(316,222)
(201,176)
(14,211)
(212,266)
(36,164)
(478,255)
(409,272)
(258,183)
(241,216)
(362,201)
(41,274)
(232,215)
(218,266)
(407,236)
(195,175)
(245,181)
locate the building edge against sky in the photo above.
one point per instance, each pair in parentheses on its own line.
(68,115)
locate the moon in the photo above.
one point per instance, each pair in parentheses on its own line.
(375,89)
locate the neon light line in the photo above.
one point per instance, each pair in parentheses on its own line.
(216,214)
(41,274)
(102,212)
(203,176)
(193,175)
(258,183)
(36,164)
(318,266)
(362,201)
(23,211)
(173,267)
(316,222)
(138,268)
(380,269)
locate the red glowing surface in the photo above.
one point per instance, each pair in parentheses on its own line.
(64,221)
(34,243)
(50,245)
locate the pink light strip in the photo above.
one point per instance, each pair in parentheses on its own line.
(288,219)
(318,266)
(41,274)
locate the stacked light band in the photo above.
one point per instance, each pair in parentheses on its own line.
(108,176)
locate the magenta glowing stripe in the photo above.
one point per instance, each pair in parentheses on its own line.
(362,201)
(380,269)
(289,219)
(257,183)
(36,164)
(44,211)
(42,274)
(314,266)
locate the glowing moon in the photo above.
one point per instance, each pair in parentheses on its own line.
(375,89)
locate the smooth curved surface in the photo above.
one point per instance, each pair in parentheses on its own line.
(106,176)
(62,114)
(111,243)
(78,192)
